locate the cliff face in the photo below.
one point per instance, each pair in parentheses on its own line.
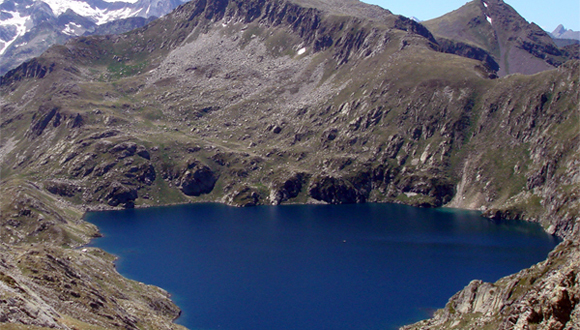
(265,102)
(528,147)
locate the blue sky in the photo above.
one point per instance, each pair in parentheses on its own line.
(547,14)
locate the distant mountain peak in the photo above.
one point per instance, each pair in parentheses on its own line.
(559,29)
(562,33)
(29,27)
(494,26)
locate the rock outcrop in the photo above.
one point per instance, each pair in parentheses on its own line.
(284,189)
(117,193)
(62,188)
(243,196)
(198,179)
(334,191)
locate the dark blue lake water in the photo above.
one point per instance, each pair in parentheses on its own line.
(307,267)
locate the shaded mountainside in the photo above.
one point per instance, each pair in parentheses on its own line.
(493,26)
(271,101)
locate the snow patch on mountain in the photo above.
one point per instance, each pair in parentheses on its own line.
(18,22)
(71,28)
(126,1)
(97,15)
(60,20)
(80,7)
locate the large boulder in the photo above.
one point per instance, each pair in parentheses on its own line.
(198,179)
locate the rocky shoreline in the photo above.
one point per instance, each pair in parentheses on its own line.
(523,299)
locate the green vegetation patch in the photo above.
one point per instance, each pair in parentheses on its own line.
(121,69)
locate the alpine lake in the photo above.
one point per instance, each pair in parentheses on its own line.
(334,267)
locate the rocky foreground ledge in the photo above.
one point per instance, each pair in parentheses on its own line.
(50,279)
(76,289)
(545,296)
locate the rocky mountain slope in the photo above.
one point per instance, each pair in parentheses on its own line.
(29,27)
(273,101)
(492,25)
